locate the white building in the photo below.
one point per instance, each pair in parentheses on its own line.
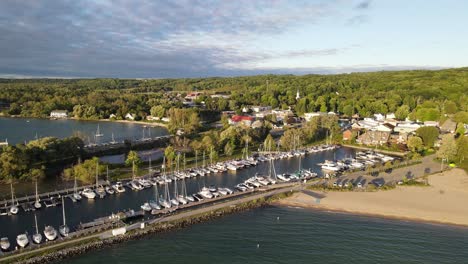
(309,116)
(59,114)
(406,127)
(130,116)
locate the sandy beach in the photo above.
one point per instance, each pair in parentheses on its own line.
(444,201)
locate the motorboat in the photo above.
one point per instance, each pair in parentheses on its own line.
(175,201)
(197,197)
(221,191)
(118,187)
(283,177)
(5,243)
(100,191)
(155,205)
(164,203)
(182,199)
(50,233)
(330,166)
(22,240)
(109,190)
(146,207)
(241,187)
(205,193)
(190,198)
(88,193)
(77,196)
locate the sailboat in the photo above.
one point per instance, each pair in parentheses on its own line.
(113,140)
(98,132)
(50,233)
(100,191)
(76,195)
(272,173)
(183,197)
(108,187)
(175,200)
(165,202)
(64,229)
(14,207)
(37,203)
(36,237)
(22,240)
(155,203)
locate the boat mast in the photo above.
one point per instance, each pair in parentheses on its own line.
(12,195)
(37,194)
(63,211)
(196,159)
(107,174)
(35,220)
(203,159)
(97,173)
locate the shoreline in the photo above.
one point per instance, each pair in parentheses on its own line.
(154,124)
(441,203)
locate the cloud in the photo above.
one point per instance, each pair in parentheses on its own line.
(364,4)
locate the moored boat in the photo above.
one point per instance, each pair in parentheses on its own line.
(22,240)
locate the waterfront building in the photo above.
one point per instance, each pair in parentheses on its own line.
(59,114)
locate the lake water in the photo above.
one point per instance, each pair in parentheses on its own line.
(19,130)
(299,236)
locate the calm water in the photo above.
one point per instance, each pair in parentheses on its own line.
(19,130)
(88,210)
(299,236)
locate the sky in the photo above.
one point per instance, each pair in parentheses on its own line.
(201,38)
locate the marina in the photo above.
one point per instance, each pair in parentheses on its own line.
(212,182)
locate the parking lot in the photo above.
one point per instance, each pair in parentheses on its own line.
(427,166)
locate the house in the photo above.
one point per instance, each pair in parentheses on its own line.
(368,123)
(282,114)
(112,116)
(390,116)
(373,138)
(431,123)
(152,118)
(309,116)
(398,138)
(379,117)
(258,109)
(240,119)
(192,96)
(225,96)
(59,114)
(406,127)
(347,135)
(385,128)
(130,116)
(448,126)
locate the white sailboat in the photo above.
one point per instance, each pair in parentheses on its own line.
(22,240)
(36,237)
(165,201)
(50,233)
(175,200)
(98,132)
(76,195)
(113,140)
(14,207)
(100,191)
(183,197)
(4,243)
(37,203)
(64,229)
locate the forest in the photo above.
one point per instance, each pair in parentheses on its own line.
(422,94)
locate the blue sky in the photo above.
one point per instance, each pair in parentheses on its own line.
(191,38)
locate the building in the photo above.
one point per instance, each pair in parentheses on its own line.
(258,109)
(192,96)
(241,119)
(347,134)
(431,123)
(130,116)
(373,138)
(385,127)
(406,128)
(309,116)
(59,114)
(282,114)
(448,126)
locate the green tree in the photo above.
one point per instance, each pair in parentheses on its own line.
(269,143)
(415,144)
(448,147)
(158,111)
(170,154)
(402,112)
(229,148)
(428,134)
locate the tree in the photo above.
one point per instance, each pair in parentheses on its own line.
(86,171)
(170,155)
(229,148)
(37,174)
(269,143)
(415,144)
(13,163)
(158,111)
(428,134)
(402,112)
(448,147)
(133,160)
